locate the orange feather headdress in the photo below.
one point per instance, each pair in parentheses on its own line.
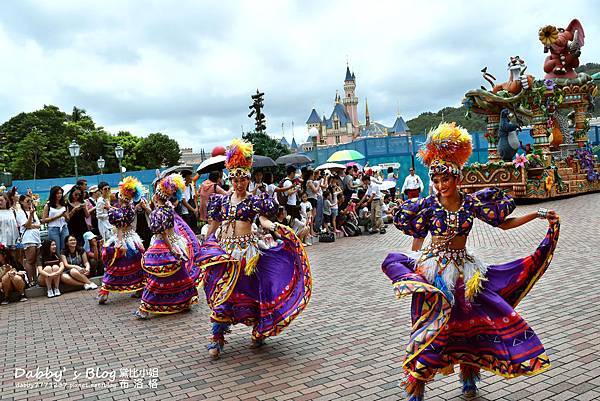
(446,150)
(239,158)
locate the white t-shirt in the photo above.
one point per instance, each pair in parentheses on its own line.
(374,189)
(30,235)
(305,208)
(292,197)
(252,186)
(384,210)
(187,195)
(412,182)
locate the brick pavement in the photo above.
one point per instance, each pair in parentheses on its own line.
(348,344)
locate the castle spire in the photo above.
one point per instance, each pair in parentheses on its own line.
(367,117)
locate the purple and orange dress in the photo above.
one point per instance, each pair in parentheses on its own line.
(265,288)
(172,279)
(463,311)
(123,265)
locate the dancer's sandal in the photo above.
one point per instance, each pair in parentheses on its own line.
(102,299)
(469,376)
(469,388)
(141,315)
(214,349)
(257,343)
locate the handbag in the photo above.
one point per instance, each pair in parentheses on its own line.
(327,236)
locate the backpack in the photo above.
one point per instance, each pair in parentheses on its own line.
(282,197)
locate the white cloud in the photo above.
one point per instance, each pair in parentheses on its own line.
(189,68)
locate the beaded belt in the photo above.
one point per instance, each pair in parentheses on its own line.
(239,239)
(446,255)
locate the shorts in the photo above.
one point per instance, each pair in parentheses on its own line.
(334,212)
(326,218)
(293,211)
(313,202)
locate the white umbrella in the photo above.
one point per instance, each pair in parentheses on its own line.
(331,166)
(211,164)
(387,185)
(67,188)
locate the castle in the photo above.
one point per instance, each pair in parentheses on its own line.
(343,125)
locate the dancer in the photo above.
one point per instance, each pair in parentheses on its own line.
(122,253)
(171,262)
(264,288)
(462,309)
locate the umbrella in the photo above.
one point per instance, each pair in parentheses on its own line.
(331,166)
(293,158)
(345,155)
(67,188)
(211,164)
(262,161)
(176,169)
(387,185)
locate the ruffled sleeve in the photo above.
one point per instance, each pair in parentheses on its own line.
(264,204)
(492,205)
(215,203)
(161,219)
(412,218)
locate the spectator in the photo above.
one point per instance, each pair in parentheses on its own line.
(94,255)
(314,190)
(257,186)
(142,222)
(392,177)
(306,214)
(11,280)
(77,215)
(9,230)
(387,210)
(29,228)
(90,203)
(51,269)
(14,197)
(189,212)
(289,188)
(77,266)
(297,225)
(102,207)
(207,188)
(82,184)
(413,185)
(269,185)
(327,204)
(55,215)
(348,183)
(336,191)
(374,197)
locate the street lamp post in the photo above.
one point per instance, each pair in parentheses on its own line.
(101,163)
(74,151)
(412,151)
(119,153)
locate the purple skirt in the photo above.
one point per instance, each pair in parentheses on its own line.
(268,299)
(486,333)
(123,267)
(172,283)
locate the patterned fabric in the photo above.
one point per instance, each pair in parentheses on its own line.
(161,219)
(219,207)
(121,216)
(172,283)
(123,265)
(487,333)
(270,298)
(417,217)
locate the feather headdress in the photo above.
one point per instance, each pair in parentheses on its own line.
(131,189)
(239,158)
(446,150)
(171,185)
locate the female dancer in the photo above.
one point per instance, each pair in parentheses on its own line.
(262,288)
(171,262)
(122,254)
(462,309)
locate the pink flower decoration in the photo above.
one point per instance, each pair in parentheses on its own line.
(520,161)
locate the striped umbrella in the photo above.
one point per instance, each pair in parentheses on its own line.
(345,155)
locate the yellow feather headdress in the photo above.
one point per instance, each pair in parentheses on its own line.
(239,158)
(447,149)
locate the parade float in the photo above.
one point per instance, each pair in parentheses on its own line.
(556,108)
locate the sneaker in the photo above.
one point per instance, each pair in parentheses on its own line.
(57,292)
(5,302)
(50,293)
(86,286)
(382,231)
(93,286)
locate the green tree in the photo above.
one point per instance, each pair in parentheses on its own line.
(158,150)
(30,154)
(428,120)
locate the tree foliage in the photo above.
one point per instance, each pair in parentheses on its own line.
(428,120)
(41,139)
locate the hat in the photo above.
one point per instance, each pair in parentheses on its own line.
(93,188)
(446,150)
(239,158)
(354,196)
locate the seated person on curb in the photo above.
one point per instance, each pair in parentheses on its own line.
(76,265)
(94,254)
(11,279)
(51,269)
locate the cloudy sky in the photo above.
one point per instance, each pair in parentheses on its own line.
(188,68)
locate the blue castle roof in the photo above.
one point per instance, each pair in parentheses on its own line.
(349,76)
(313,118)
(399,126)
(340,111)
(294,145)
(284,141)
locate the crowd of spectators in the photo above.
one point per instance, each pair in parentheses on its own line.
(60,242)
